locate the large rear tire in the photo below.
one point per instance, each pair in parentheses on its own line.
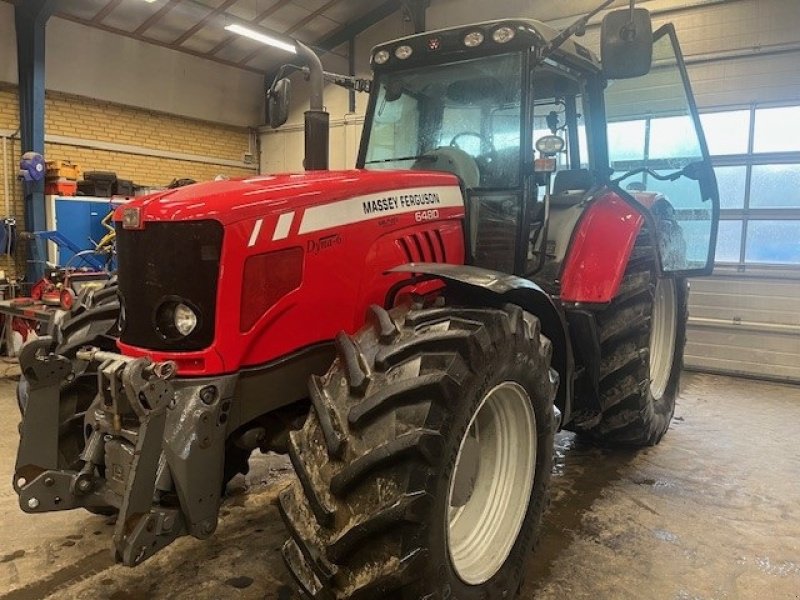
(642,335)
(424,465)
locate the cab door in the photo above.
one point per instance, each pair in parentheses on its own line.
(655,137)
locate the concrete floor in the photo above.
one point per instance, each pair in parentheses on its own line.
(711,513)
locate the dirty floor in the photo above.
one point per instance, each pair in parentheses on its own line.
(711,513)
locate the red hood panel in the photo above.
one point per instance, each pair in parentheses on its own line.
(234,200)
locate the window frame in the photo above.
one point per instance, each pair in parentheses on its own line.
(746,214)
(748,160)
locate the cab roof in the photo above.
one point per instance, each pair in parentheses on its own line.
(449,42)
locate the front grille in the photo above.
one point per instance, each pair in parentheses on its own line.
(163,262)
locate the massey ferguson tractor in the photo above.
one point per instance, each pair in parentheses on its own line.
(508,259)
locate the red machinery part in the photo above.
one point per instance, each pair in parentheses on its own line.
(66,298)
(600,249)
(336,235)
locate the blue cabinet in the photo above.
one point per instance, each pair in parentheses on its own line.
(79,220)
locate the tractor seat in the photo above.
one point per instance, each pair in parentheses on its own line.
(570,185)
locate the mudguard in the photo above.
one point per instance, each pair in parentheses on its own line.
(486,287)
(599,250)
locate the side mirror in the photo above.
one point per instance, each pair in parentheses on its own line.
(626,43)
(278,100)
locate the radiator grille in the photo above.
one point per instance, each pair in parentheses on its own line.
(424,246)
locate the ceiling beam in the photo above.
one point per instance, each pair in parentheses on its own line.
(141,38)
(264,14)
(156,16)
(346,33)
(310,17)
(200,24)
(304,21)
(105,11)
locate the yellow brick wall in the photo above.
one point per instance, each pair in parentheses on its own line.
(94,120)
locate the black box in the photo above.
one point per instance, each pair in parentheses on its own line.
(98,183)
(124,188)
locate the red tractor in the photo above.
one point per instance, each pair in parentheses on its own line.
(412,332)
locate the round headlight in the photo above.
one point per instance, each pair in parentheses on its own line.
(381,57)
(184,319)
(403,52)
(550,144)
(473,39)
(503,35)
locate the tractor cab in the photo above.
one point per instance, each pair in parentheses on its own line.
(534,126)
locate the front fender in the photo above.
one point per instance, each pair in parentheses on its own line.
(599,250)
(484,287)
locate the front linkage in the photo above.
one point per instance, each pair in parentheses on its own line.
(154,449)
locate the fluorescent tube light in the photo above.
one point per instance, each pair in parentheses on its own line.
(261,37)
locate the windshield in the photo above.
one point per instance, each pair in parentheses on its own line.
(462,117)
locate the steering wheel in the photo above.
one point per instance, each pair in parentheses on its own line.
(454,141)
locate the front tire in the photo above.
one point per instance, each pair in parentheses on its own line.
(424,465)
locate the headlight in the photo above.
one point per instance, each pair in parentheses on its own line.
(473,39)
(175,319)
(381,57)
(503,35)
(403,52)
(185,320)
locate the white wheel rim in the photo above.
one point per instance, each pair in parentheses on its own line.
(662,336)
(483,529)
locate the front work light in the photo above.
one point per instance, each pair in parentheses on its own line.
(503,35)
(549,145)
(131,217)
(473,39)
(403,52)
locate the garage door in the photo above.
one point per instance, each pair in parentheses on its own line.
(745,324)
(745,319)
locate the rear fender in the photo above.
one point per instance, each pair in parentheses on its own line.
(478,286)
(599,249)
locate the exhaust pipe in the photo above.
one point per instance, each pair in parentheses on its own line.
(317,120)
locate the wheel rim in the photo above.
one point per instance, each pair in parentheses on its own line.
(490,488)
(662,336)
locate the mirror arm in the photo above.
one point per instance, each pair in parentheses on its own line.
(282,72)
(349,82)
(576,27)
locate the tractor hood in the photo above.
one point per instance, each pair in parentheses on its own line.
(235,200)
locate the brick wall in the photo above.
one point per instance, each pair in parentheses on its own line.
(93,120)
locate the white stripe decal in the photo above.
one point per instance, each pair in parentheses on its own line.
(254,234)
(372,206)
(283,226)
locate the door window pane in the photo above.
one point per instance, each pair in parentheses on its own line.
(777,129)
(674,138)
(773,242)
(729,241)
(626,140)
(775,186)
(684,225)
(731,182)
(726,132)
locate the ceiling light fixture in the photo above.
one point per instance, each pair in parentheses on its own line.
(261,37)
